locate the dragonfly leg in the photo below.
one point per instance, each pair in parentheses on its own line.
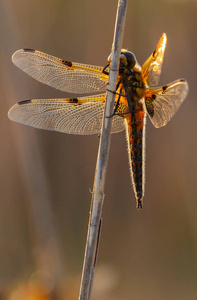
(116,93)
(104,70)
(117,103)
(115,108)
(128,100)
(117,86)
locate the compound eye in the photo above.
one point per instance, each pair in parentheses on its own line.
(123,59)
(131,59)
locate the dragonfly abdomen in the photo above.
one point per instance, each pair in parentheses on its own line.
(135,137)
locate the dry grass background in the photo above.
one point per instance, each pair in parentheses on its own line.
(45,177)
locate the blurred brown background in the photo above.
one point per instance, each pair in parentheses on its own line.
(46,177)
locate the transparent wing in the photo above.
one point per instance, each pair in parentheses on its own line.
(151,69)
(61,74)
(162,103)
(75,116)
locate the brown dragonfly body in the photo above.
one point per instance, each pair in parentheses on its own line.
(136,95)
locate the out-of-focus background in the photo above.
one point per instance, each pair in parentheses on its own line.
(46,178)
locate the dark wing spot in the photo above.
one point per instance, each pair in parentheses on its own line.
(164,88)
(66,62)
(154,96)
(182,80)
(154,53)
(24,102)
(74,100)
(28,50)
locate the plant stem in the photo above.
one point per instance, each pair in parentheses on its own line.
(94,225)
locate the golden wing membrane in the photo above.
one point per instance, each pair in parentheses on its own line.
(163,102)
(151,69)
(74,116)
(61,74)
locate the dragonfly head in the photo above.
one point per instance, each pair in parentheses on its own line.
(127,60)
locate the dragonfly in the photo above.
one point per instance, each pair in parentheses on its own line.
(137,94)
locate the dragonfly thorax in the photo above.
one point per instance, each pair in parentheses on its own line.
(131,80)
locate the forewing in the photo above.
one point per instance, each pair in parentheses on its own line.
(151,69)
(60,74)
(162,103)
(74,116)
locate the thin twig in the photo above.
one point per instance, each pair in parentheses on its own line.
(95,260)
(102,160)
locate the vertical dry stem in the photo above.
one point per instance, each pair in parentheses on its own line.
(94,226)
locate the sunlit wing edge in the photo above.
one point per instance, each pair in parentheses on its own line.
(81,116)
(151,69)
(61,74)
